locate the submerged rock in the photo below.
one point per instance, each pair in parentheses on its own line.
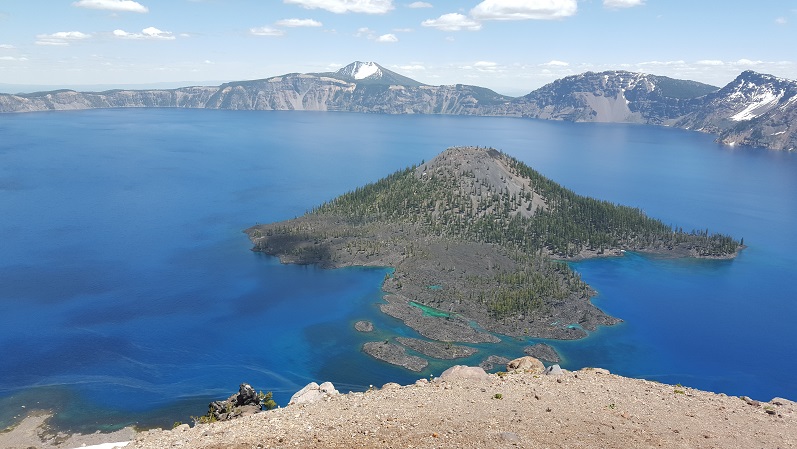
(364,326)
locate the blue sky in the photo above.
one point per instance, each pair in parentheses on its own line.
(511,46)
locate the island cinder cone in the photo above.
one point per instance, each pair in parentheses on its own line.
(474,234)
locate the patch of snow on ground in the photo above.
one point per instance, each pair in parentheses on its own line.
(760,102)
(788,102)
(105,445)
(365,70)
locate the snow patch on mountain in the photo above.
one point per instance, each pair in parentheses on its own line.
(760,103)
(361,70)
(365,70)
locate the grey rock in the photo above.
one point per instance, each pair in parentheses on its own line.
(554,370)
(313,392)
(462,372)
(527,364)
(245,402)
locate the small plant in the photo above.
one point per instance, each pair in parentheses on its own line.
(266,401)
(498,396)
(177,423)
(612,406)
(501,373)
(204,419)
(677,391)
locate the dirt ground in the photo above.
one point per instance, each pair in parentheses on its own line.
(584,409)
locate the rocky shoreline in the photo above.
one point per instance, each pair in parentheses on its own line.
(437,350)
(394,354)
(432,327)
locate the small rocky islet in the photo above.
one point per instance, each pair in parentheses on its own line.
(478,237)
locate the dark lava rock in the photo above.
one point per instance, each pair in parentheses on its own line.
(543,352)
(394,354)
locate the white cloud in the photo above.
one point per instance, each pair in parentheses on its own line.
(622,3)
(344,6)
(61,38)
(6,46)
(524,9)
(12,58)
(387,38)
(747,62)
(403,30)
(781,21)
(298,23)
(453,22)
(265,31)
(112,5)
(420,5)
(151,33)
(486,66)
(365,32)
(710,62)
(555,63)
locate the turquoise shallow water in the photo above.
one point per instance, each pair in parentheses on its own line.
(128,293)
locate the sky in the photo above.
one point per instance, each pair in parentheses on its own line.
(510,46)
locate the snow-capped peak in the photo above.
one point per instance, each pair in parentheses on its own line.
(366,69)
(361,70)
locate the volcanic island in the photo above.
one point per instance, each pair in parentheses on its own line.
(477,241)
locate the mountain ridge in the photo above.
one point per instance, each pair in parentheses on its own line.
(754,109)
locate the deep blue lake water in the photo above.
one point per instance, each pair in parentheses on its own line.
(129,294)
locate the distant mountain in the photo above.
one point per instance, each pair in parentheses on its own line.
(755,109)
(613,96)
(371,73)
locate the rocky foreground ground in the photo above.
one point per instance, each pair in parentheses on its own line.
(585,409)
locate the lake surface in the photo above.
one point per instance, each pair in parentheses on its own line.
(129,294)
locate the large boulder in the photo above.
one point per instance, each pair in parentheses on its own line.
(527,364)
(462,372)
(554,370)
(313,392)
(245,402)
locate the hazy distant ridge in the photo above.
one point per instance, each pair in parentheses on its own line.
(754,109)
